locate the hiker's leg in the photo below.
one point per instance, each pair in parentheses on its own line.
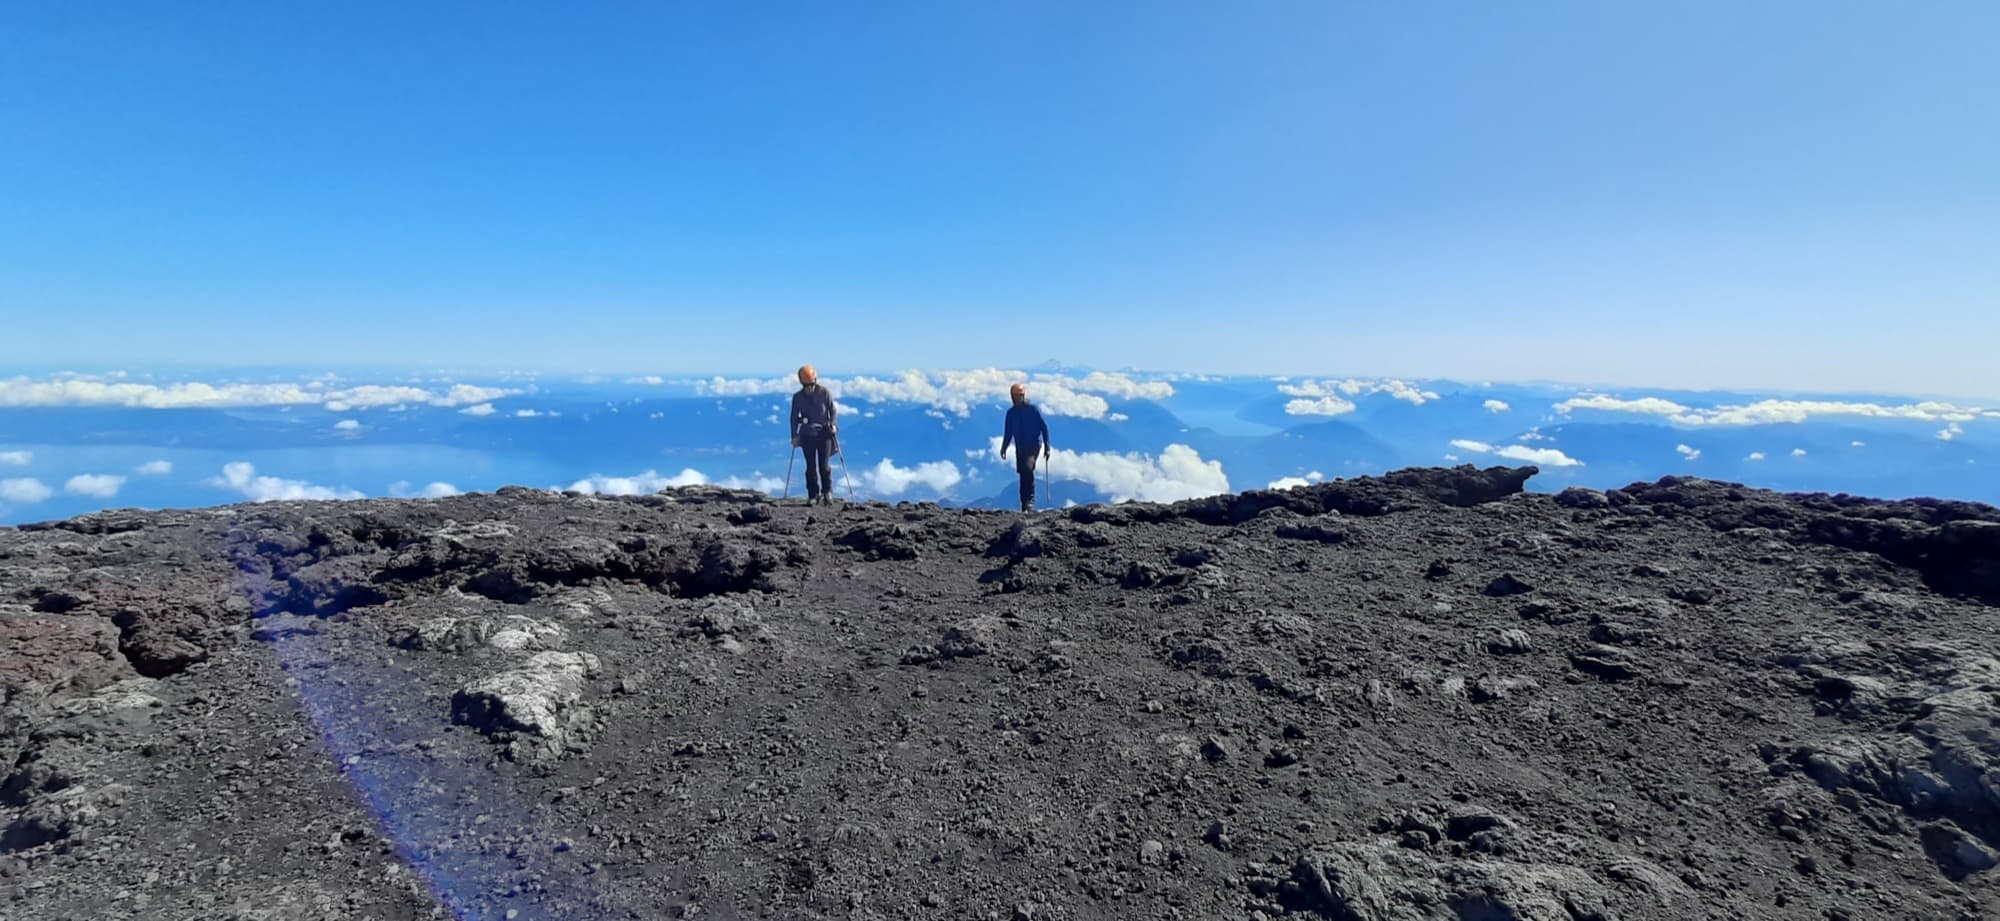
(826,468)
(1024,464)
(815,457)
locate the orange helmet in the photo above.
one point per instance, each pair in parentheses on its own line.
(807,375)
(1018,390)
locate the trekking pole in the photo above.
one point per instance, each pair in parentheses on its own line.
(789,457)
(843,475)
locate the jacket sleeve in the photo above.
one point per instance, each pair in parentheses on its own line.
(1043,424)
(832,408)
(795,416)
(1007,432)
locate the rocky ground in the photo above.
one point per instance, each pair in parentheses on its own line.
(1422,696)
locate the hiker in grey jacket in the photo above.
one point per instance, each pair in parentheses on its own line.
(814,431)
(1030,434)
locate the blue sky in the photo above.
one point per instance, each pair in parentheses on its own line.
(1794,195)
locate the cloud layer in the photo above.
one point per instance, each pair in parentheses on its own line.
(651,481)
(1179,472)
(24,490)
(79,390)
(958,392)
(94,485)
(1333,398)
(242,477)
(1770,412)
(1546,457)
(887,479)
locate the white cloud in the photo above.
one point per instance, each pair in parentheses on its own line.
(758,482)
(1798,452)
(1496,406)
(1113,384)
(24,490)
(95,485)
(402,489)
(347,425)
(482,409)
(890,480)
(241,476)
(747,387)
(462,394)
(1769,412)
(78,390)
(1688,452)
(958,392)
(537,414)
(1453,458)
(1318,406)
(1857,444)
(1177,473)
(1547,457)
(640,485)
(1290,482)
(1652,406)
(1353,387)
(1117,417)
(155,468)
(1950,432)
(1755,456)
(650,379)
(16,458)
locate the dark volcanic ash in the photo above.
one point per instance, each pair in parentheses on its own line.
(1427,695)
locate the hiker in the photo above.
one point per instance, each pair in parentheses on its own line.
(1026,431)
(814,431)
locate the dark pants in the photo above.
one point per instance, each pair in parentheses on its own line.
(1024,464)
(819,466)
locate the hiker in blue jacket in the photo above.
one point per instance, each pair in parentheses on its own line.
(1027,431)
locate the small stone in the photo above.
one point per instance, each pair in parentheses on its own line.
(1152,852)
(1511,643)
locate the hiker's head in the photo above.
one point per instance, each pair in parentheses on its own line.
(807,375)
(1019,392)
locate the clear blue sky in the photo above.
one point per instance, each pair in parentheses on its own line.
(1782,194)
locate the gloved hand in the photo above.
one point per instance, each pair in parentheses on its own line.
(795,441)
(1045,452)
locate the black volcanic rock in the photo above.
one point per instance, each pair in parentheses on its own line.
(1421,695)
